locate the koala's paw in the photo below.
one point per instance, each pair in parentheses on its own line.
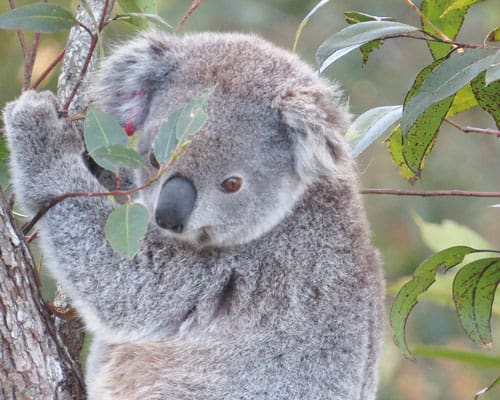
(34,124)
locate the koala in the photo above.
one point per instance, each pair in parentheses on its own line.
(257,278)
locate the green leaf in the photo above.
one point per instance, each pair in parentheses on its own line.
(370,125)
(395,145)
(447,233)
(473,292)
(304,22)
(142,20)
(488,96)
(354,17)
(445,80)
(449,24)
(423,278)
(116,156)
(353,36)
(420,138)
(458,4)
(126,227)
(465,357)
(493,71)
(101,130)
(180,125)
(495,383)
(464,100)
(493,35)
(45,18)
(192,116)
(166,141)
(136,12)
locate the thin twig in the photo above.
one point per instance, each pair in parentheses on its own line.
(432,38)
(429,193)
(473,129)
(29,62)
(48,70)
(52,202)
(93,44)
(194,6)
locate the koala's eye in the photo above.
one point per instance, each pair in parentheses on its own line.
(154,162)
(231,184)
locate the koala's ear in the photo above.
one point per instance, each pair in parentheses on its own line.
(315,122)
(128,78)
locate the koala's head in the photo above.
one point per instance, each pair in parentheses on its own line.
(274,130)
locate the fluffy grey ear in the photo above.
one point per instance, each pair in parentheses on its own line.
(315,123)
(128,78)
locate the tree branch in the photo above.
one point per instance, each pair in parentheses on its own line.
(473,129)
(430,193)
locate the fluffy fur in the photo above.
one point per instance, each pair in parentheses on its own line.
(272,292)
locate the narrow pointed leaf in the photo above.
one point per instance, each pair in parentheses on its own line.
(354,17)
(458,4)
(473,292)
(449,24)
(420,139)
(444,81)
(395,145)
(115,157)
(493,71)
(42,17)
(126,227)
(493,35)
(192,116)
(336,56)
(488,96)
(166,142)
(423,278)
(465,357)
(370,125)
(464,100)
(101,130)
(304,22)
(359,34)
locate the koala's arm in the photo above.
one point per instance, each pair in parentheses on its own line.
(114,295)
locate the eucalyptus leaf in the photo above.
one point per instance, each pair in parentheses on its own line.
(192,116)
(359,34)
(493,384)
(126,227)
(40,17)
(464,100)
(304,22)
(423,278)
(450,24)
(115,157)
(419,140)
(166,141)
(488,96)
(101,130)
(444,81)
(395,145)
(370,125)
(493,71)
(464,357)
(458,4)
(474,290)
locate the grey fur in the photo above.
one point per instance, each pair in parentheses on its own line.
(272,292)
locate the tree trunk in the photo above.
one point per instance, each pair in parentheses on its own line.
(34,363)
(39,354)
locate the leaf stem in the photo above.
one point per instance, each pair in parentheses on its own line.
(194,6)
(48,70)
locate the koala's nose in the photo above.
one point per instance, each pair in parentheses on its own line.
(176,201)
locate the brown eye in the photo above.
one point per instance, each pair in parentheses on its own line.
(231,184)
(154,162)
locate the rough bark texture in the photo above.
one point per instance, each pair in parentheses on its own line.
(33,362)
(37,354)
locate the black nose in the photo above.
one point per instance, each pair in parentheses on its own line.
(176,201)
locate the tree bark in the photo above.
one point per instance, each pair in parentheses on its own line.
(39,354)
(34,364)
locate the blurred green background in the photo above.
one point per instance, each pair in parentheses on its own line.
(458,161)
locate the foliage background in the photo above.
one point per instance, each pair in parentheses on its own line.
(458,161)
